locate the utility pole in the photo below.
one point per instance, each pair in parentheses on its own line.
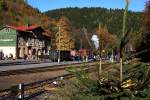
(85,33)
(100,47)
(59,44)
(86,36)
(81,43)
(53,51)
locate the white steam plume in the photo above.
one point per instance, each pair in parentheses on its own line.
(95,39)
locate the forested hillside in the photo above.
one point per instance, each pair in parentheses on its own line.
(18,12)
(91,17)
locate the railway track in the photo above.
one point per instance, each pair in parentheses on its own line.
(32,90)
(18,62)
(43,69)
(47,83)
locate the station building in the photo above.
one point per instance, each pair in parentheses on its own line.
(24,41)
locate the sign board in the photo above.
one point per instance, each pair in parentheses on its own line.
(8,37)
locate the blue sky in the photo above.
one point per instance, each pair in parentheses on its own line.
(45,5)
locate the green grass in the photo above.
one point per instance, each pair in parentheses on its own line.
(108,87)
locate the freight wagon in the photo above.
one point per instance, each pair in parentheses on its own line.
(64,55)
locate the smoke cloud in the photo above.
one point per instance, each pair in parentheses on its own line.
(95,39)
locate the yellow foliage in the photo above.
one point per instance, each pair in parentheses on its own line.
(127,84)
(105,37)
(66,42)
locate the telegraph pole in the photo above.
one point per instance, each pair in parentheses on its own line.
(100,47)
(59,45)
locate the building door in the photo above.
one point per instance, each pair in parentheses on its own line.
(34,54)
(18,53)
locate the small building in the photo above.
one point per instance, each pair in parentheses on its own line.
(24,41)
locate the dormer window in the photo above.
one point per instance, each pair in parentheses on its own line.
(7,30)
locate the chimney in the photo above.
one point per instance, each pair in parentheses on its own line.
(28,25)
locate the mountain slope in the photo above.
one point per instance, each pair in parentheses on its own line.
(91,17)
(18,12)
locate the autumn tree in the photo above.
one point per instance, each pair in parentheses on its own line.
(107,40)
(144,48)
(106,43)
(3,5)
(64,38)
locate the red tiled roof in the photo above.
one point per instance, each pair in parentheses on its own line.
(29,28)
(24,28)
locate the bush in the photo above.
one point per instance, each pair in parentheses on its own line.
(135,84)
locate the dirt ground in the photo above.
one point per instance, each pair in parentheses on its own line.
(8,81)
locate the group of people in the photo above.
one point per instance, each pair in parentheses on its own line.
(34,56)
(2,57)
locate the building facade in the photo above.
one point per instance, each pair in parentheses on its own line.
(24,41)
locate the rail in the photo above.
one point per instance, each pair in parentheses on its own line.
(31,90)
(40,69)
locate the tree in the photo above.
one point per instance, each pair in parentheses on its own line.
(124,40)
(107,40)
(64,38)
(3,5)
(91,17)
(144,47)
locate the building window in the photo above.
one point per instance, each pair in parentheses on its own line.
(20,41)
(7,30)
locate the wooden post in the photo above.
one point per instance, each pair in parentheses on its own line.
(14,92)
(100,66)
(21,91)
(112,56)
(121,74)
